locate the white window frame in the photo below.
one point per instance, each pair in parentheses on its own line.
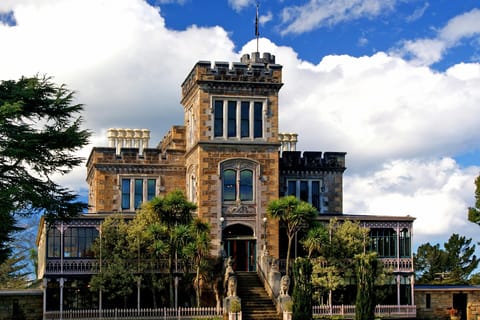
(239,101)
(132,190)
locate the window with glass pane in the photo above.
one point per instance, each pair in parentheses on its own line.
(304,190)
(257,120)
(229,183)
(151,189)
(405,244)
(53,243)
(86,237)
(218,120)
(316,194)
(245,119)
(292,188)
(138,197)
(70,244)
(232,119)
(246,185)
(125,193)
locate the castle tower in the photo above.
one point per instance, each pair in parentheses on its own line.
(231,159)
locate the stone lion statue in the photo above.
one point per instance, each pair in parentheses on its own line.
(284,285)
(228,272)
(232,286)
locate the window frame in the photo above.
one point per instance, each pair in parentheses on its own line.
(132,198)
(234,169)
(309,197)
(232,120)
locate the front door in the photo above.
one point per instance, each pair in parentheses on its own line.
(240,244)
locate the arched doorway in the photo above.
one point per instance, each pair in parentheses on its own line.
(240,244)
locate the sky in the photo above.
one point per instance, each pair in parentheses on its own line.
(394,83)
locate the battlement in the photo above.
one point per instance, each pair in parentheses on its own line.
(174,140)
(312,160)
(251,69)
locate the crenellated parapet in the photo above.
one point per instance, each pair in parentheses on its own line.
(251,72)
(312,161)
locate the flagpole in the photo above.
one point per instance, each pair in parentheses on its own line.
(257,34)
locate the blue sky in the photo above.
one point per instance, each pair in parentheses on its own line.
(394,83)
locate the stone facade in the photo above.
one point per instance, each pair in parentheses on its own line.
(434,302)
(21,304)
(231,160)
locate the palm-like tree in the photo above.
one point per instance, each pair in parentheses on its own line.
(294,214)
(315,239)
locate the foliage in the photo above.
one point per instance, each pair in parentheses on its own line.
(302,289)
(334,265)
(164,228)
(474,212)
(116,276)
(366,271)
(314,240)
(451,265)
(12,274)
(294,214)
(235,306)
(39,135)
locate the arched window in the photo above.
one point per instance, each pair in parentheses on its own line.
(238,180)
(229,185)
(246,185)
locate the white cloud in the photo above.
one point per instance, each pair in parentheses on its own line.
(429,51)
(263,19)
(238,5)
(436,192)
(418,13)
(400,123)
(318,13)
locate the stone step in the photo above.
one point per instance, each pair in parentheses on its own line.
(256,304)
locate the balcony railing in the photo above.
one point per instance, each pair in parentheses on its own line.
(92,266)
(395,264)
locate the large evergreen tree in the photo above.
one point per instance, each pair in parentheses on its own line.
(40,131)
(452,264)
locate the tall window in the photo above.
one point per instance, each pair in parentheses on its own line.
(53,243)
(245,119)
(241,119)
(218,122)
(138,198)
(384,242)
(151,189)
(237,180)
(136,191)
(78,241)
(246,185)
(125,193)
(306,190)
(229,185)
(257,120)
(405,244)
(232,119)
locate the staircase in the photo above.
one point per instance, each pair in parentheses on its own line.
(256,304)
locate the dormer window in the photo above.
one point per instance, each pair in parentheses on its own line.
(238,118)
